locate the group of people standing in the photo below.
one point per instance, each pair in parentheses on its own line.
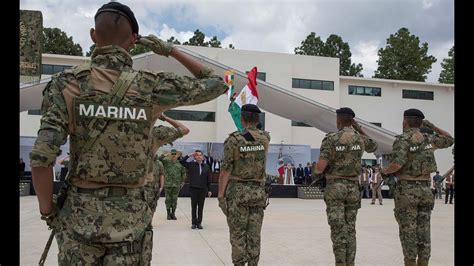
(114,179)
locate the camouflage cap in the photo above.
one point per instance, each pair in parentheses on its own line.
(345,111)
(121,9)
(251,108)
(174,151)
(413,113)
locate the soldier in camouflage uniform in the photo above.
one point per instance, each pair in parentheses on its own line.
(340,159)
(175,175)
(161,135)
(108,109)
(242,195)
(412,162)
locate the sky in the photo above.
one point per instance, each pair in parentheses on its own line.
(273,26)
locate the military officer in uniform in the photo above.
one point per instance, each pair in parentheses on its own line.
(162,135)
(241,194)
(412,162)
(108,109)
(175,175)
(340,158)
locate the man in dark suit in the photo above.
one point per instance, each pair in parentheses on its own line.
(307,173)
(299,174)
(199,174)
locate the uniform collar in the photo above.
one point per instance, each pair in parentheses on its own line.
(411,130)
(346,129)
(111,57)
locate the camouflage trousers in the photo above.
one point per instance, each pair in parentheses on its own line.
(413,202)
(245,203)
(171,194)
(152,195)
(97,228)
(342,199)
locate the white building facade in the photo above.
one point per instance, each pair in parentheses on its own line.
(375,100)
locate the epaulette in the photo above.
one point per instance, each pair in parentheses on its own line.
(81,70)
(147,72)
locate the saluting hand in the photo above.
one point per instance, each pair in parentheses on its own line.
(156,45)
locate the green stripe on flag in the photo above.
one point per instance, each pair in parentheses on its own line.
(234,110)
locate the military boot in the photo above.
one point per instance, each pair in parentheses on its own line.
(340,264)
(410,263)
(172,214)
(422,263)
(169,214)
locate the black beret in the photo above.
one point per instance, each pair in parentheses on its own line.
(121,9)
(413,113)
(251,108)
(346,111)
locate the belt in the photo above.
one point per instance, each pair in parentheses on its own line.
(105,191)
(424,182)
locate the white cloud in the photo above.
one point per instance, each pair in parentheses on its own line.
(366,54)
(264,25)
(440,51)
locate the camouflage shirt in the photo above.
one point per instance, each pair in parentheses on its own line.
(175,173)
(246,160)
(158,170)
(414,151)
(162,135)
(164,90)
(343,150)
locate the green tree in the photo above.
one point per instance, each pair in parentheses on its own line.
(197,39)
(403,58)
(333,47)
(173,40)
(139,49)
(214,42)
(91,49)
(56,41)
(447,73)
(312,45)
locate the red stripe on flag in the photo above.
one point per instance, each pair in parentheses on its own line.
(252,81)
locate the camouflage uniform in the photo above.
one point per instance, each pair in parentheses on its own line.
(343,151)
(161,135)
(414,151)
(175,175)
(245,193)
(105,215)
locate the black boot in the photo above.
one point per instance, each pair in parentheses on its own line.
(169,214)
(172,214)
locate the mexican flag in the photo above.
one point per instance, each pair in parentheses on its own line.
(247,95)
(229,80)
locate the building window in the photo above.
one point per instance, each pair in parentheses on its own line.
(363,90)
(299,124)
(260,75)
(52,69)
(34,112)
(420,95)
(192,115)
(312,84)
(377,124)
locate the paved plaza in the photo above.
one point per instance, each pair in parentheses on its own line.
(295,232)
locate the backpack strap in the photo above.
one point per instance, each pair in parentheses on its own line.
(116,95)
